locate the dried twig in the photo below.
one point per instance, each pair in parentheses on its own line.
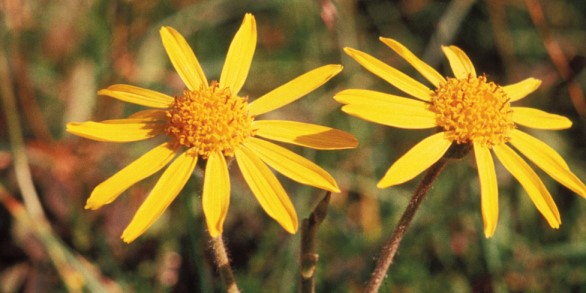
(21,167)
(557,56)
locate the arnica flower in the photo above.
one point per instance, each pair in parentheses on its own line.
(211,121)
(471,113)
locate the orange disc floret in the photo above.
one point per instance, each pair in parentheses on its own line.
(473,110)
(209,119)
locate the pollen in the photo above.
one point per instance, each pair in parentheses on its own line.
(473,110)
(209,120)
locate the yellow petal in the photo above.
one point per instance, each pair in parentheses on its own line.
(360,96)
(488,189)
(459,62)
(239,56)
(121,130)
(521,89)
(216,193)
(164,192)
(138,95)
(402,117)
(150,115)
(292,165)
(305,134)
(387,109)
(267,189)
(427,71)
(530,182)
(416,160)
(129,120)
(143,167)
(538,119)
(548,160)
(391,75)
(183,58)
(293,90)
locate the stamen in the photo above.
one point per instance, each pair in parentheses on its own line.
(473,110)
(208,120)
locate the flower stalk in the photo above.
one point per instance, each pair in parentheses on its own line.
(309,256)
(392,245)
(223,263)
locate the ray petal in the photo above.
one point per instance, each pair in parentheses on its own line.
(459,62)
(387,109)
(361,96)
(150,115)
(239,56)
(131,120)
(488,189)
(216,193)
(305,134)
(267,189)
(293,90)
(137,95)
(416,160)
(292,165)
(143,167)
(520,90)
(427,71)
(183,58)
(530,182)
(538,119)
(548,160)
(121,130)
(164,192)
(391,75)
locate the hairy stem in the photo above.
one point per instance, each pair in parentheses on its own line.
(392,245)
(223,264)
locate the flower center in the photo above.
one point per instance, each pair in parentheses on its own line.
(209,119)
(473,110)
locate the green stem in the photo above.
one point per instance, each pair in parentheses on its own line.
(21,167)
(223,264)
(392,245)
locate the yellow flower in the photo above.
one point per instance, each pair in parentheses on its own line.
(471,113)
(212,122)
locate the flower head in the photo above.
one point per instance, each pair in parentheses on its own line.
(212,121)
(470,113)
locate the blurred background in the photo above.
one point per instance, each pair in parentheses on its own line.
(55,55)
